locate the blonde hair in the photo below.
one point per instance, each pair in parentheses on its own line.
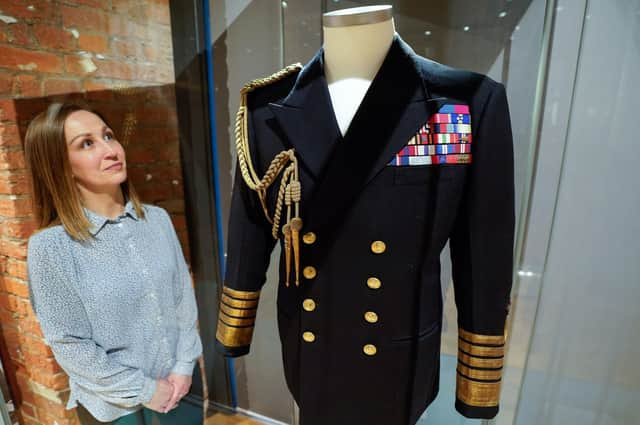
(56,198)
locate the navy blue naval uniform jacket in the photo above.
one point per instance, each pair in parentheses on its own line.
(427,158)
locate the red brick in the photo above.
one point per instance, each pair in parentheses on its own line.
(179,222)
(35,345)
(17,58)
(121,6)
(11,336)
(7,109)
(14,286)
(20,207)
(29,410)
(9,136)
(155,73)
(97,91)
(173,206)
(6,86)
(53,86)
(13,183)
(100,4)
(73,65)
(26,110)
(159,13)
(58,381)
(124,27)
(4,32)
(7,316)
(31,326)
(54,38)
(114,69)
(41,12)
(155,192)
(20,34)
(14,249)
(11,159)
(127,48)
(152,135)
(53,411)
(26,85)
(37,361)
(156,114)
(15,304)
(84,19)
(159,173)
(17,268)
(93,43)
(18,229)
(151,53)
(138,12)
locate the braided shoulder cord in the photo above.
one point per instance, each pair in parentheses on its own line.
(290,190)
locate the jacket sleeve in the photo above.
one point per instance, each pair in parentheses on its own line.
(67,330)
(249,248)
(482,259)
(189,346)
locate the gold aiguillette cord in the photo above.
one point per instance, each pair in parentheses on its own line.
(285,162)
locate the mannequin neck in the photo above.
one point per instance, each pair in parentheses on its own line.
(356,51)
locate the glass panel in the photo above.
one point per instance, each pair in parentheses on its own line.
(247,44)
(582,368)
(499,38)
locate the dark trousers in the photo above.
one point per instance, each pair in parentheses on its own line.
(147,417)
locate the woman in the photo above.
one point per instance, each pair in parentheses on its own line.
(107,277)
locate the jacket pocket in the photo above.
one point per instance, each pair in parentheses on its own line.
(422,335)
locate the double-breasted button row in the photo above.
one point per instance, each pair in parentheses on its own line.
(309,272)
(377,247)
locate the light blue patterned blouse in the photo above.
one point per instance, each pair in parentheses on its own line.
(118,311)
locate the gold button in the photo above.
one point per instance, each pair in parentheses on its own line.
(309,304)
(378,247)
(309,238)
(370,350)
(308,336)
(371,317)
(309,272)
(374,283)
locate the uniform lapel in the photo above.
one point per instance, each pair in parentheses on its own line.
(307,119)
(395,106)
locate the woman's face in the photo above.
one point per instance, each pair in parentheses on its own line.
(97,159)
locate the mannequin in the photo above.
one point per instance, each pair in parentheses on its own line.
(356,42)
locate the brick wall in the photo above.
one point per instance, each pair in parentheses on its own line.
(117,55)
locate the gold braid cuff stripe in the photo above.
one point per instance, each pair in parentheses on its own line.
(245,304)
(245,295)
(286,164)
(479,361)
(481,351)
(232,321)
(481,339)
(237,312)
(489,375)
(478,394)
(233,337)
